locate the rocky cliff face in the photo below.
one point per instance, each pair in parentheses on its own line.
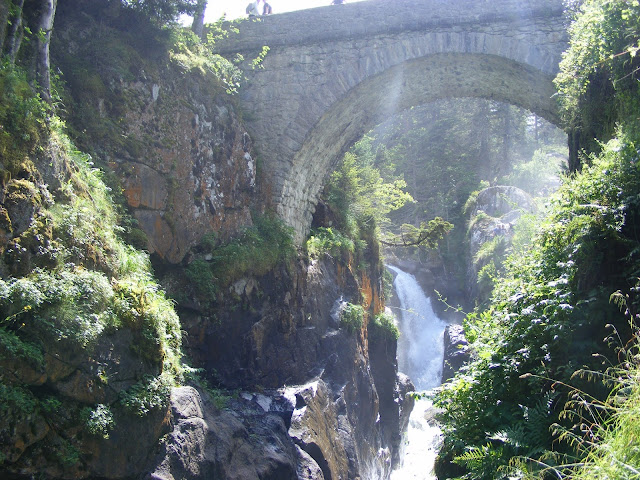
(169,132)
(285,340)
(315,400)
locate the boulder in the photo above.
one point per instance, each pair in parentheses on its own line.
(245,442)
(456,351)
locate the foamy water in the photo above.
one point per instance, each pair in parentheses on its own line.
(420,355)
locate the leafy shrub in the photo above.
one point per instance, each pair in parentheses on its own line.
(69,304)
(361,195)
(95,285)
(14,347)
(16,401)
(193,54)
(23,118)
(254,252)
(604,46)
(327,241)
(545,318)
(384,325)
(352,317)
(491,250)
(98,420)
(201,275)
(146,395)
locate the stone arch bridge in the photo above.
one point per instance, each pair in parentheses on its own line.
(335,72)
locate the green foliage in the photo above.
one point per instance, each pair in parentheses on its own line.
(524,232)
(98,420)
(11,346)
(604,431)
(141,306)
(67,305)
(327,241)
(427,235)
(484,461)
(540,175)
(257,62)
(384,325)
(200,273)
(23,118)
(387,285)
(91,285)
(67,453)
(357,189)
(85,222)
(360,194)
(604,48)
(193,54)
(546,314)
(352,317)
(16,401)
(452,148)
(615,454)
(220,397)
(162,11)
(487,276)
(598,79)
(256,251)
(148,394)
(491,250)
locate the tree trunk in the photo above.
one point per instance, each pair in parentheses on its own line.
(14,32)
(39,16)
(43,69)
(198,18)
(4,21)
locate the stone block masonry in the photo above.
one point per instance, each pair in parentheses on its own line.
(333,73)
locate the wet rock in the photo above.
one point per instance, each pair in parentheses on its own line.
(405,402)
(456,351)
(315,429)
(288,333)
(19,431)
(308,469)
(244,443)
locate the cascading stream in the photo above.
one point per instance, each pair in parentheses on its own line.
(420,355)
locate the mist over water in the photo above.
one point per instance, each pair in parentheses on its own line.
(420,355)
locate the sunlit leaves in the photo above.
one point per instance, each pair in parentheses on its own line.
(552,294)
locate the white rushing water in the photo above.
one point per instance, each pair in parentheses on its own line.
(420,354)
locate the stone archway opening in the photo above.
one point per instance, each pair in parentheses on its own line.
(412,83)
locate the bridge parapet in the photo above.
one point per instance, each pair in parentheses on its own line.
(335,23)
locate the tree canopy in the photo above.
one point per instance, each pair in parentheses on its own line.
(162,11)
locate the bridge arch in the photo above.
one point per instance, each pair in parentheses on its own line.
(328,80)
(413,83)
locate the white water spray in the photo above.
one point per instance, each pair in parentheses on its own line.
(420,354)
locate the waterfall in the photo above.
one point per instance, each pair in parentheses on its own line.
(420,355)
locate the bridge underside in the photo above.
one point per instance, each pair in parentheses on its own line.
(414,82)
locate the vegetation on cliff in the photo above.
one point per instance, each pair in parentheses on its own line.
(545,396)
(360,196)
(69,286)
(254,252)
(89,344)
